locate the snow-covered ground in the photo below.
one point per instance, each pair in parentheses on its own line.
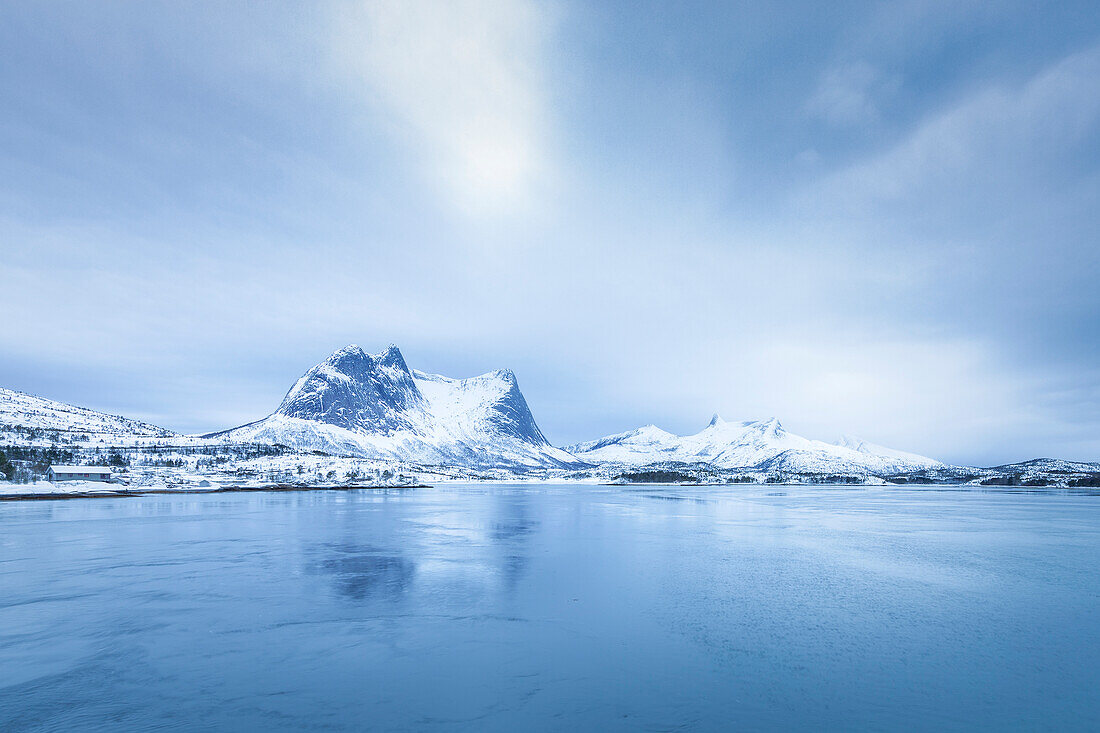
(61,488)
(300,471)
(184,470)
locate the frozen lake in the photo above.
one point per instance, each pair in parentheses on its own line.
(502,607)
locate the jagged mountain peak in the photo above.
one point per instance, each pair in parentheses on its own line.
(506,374)
(349,349)
(771,425)
(352,389)
(374,405)
(392,357)
(715,421)
(354,359)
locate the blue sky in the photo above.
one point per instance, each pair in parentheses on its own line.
(877,219)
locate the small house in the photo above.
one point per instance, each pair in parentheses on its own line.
(78,473)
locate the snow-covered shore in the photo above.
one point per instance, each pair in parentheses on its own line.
(102,489)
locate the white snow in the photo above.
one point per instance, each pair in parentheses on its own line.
(760,444)
(22,415)
(81,469)
(61,488)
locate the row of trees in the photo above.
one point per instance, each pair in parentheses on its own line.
(7,468)
(24,463)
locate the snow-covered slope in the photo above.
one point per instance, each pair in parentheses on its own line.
(886,459)
(1049,466)
(21,413)
(374,406)
(761,444)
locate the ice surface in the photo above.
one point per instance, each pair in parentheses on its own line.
(533,607)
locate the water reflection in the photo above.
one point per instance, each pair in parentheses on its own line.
(510,533)
(364,572)
(515,524)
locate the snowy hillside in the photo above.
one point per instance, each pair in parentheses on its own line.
(1049,466)
(24,416)
(374,406)
(760,445)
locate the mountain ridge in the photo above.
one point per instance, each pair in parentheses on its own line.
(21,412)
(754,444)
(374,405)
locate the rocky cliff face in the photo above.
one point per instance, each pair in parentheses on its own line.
(357,391)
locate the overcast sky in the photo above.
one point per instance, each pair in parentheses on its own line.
(876,219)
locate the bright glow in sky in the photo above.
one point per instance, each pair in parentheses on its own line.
(862,218)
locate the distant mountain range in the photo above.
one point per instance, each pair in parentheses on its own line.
(375,406)
(762,445)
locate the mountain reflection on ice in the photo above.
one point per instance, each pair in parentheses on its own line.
(362,571)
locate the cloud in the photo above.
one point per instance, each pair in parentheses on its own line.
(848,94)
(994,137)
(213,225)
(462,79)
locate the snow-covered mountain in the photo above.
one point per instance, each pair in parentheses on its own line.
(374,406)
(21,414)
(761,445)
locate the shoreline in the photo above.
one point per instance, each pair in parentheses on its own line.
(109,494)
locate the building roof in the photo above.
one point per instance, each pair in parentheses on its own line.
(80,469)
